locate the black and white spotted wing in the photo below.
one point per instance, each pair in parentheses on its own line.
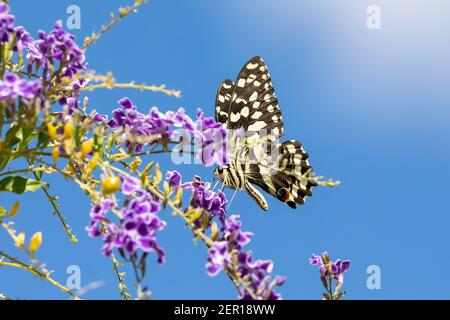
(290,180)
(250,102)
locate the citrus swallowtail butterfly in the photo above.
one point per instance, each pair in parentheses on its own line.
(249,106)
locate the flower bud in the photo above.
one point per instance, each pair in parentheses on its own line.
(86,147)
(178,196)
(52,131)
(166,188)
(20,239)
(35,241)
(110,185)
(55,153)
(93,163)
(325,258)
(14,209)
(68,129)
(158,175)
(214,231)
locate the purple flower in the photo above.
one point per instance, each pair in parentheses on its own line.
(342,265)
(12,87)
(138,226)
(130,185)
(98,214)
(232,232)
(203,197)
(218,258)
(259,273)
(315,260)
(174,178)
(6,24)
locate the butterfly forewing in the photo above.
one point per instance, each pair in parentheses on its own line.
(223,99)
(250,103)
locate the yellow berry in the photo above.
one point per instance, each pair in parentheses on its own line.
(110,185)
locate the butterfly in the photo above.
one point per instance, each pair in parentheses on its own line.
(248,109)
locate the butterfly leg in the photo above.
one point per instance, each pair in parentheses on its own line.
(215,185)
(256,195)
(232,198)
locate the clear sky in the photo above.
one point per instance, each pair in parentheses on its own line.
(371,107)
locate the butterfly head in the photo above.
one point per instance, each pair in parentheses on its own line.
(224,176)
(220,173)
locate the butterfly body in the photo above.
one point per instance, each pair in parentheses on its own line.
(249,109)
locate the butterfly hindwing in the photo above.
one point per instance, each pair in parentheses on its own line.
(290,181)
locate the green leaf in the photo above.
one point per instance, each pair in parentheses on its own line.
(3,212)
(8,51)
(19,184)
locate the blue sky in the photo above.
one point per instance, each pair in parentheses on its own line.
(371,108)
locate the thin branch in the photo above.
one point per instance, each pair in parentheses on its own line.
(16,263)
(121,278)
(123,12)
(141,87)
(58,213)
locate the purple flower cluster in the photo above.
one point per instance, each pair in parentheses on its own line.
(139,222)
(210,136)
(329,271)
(228,254)
(144,129)
(57,50)
(59,45)
(6,24)
(203,197)
(12,87)
(334,269)
(141,130)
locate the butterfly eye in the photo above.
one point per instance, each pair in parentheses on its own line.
(220,170)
